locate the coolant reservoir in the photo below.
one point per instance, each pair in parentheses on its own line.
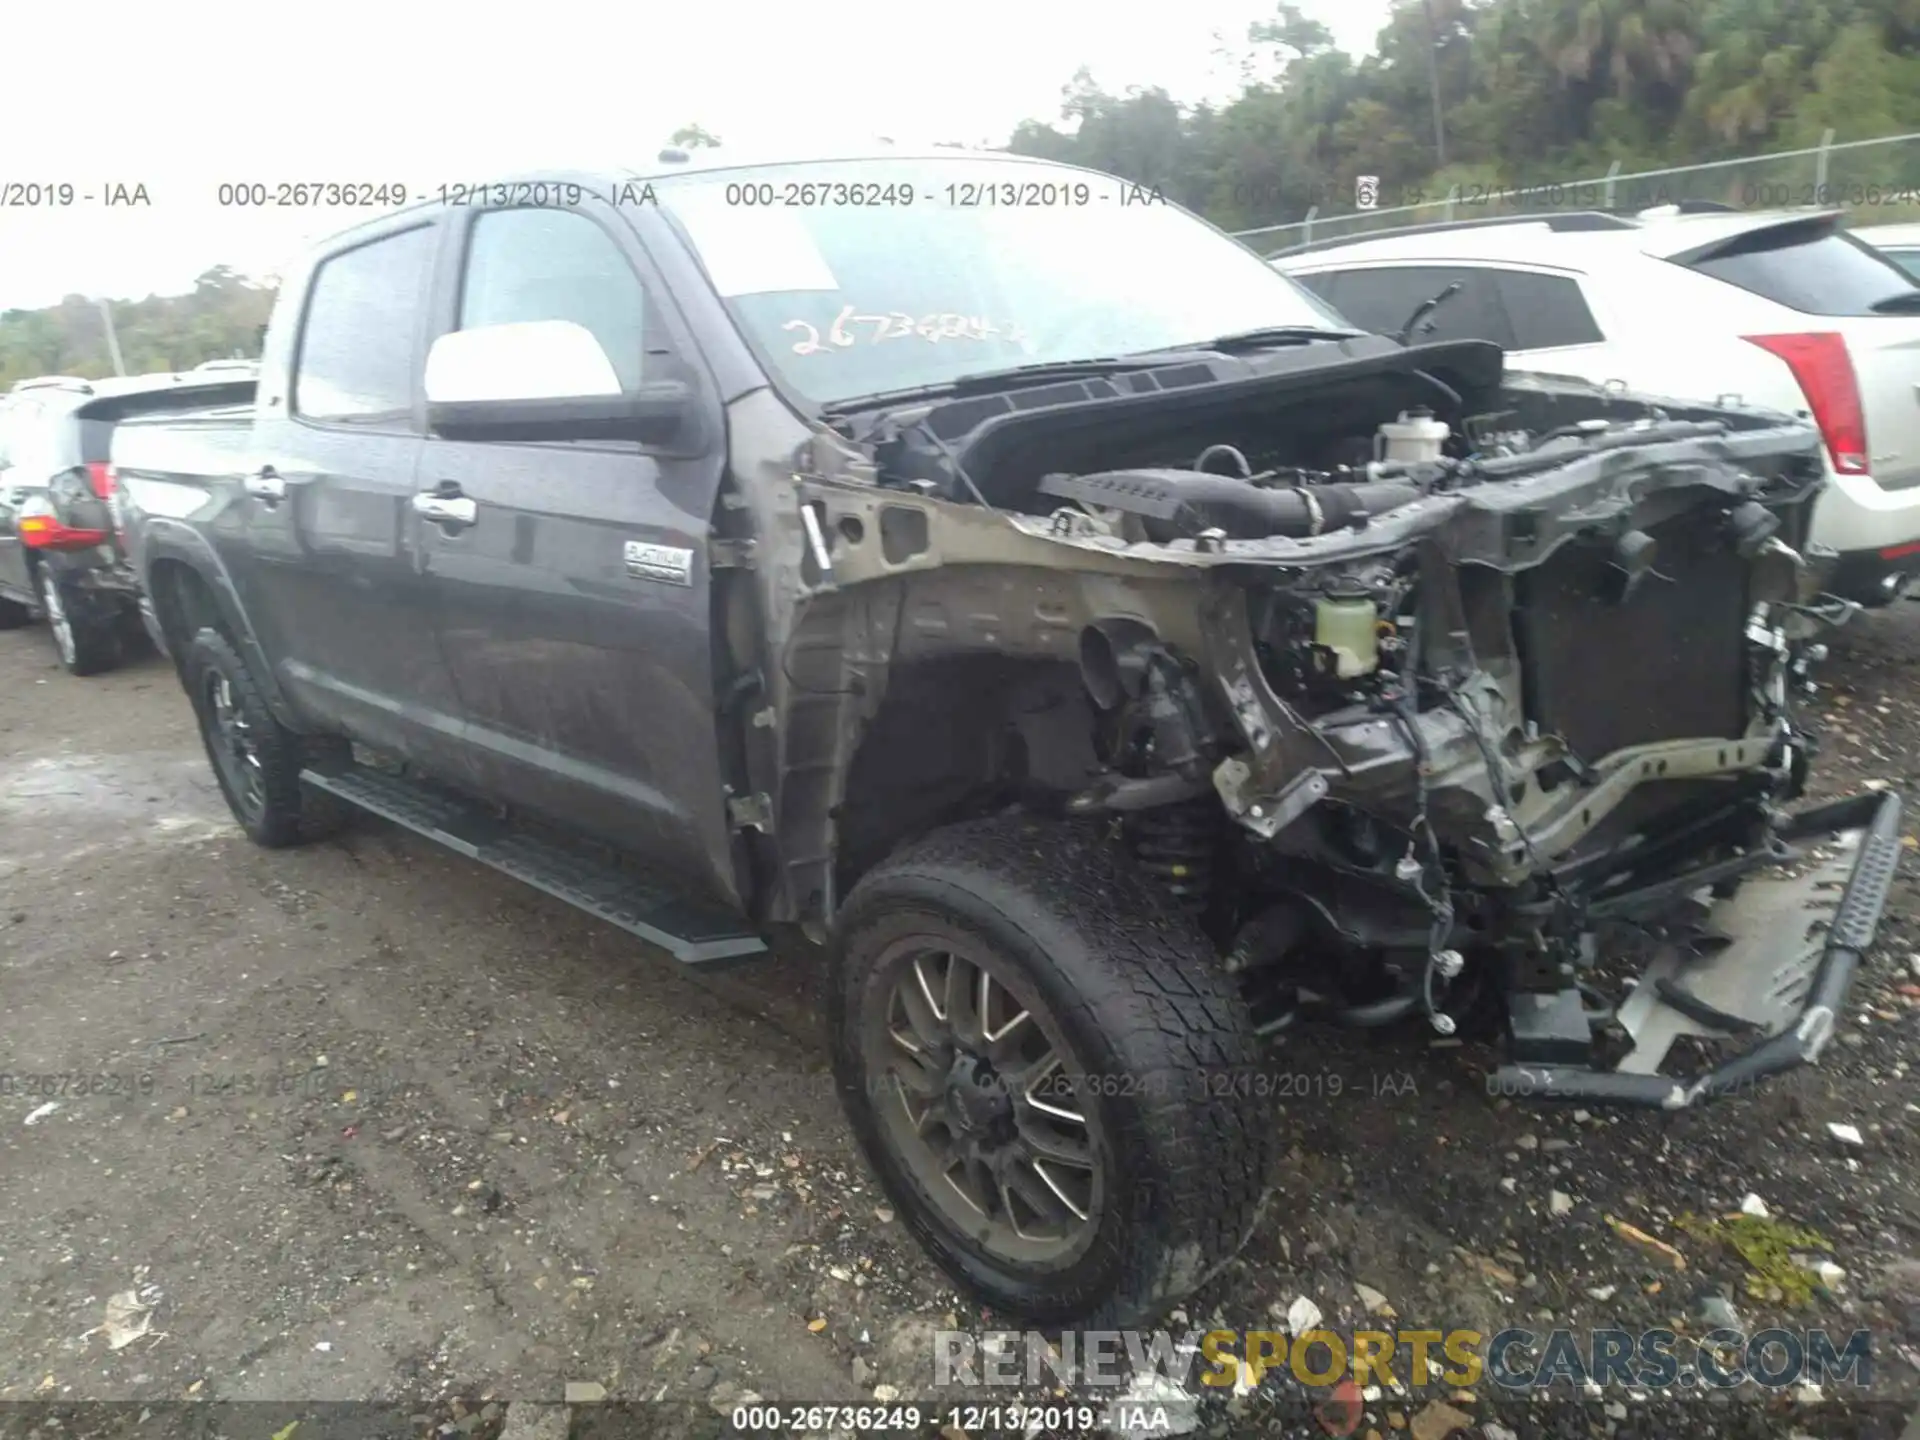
(1346,623)
(1414,437)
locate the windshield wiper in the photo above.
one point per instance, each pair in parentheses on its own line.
(988,380)
(1042,370)
(1272,335)
(1059,370)
(1905,304)
(1425,308)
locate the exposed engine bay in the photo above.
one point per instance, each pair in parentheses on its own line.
(1429,691)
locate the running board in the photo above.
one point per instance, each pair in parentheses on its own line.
(692,931)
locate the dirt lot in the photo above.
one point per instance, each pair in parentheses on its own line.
(368,1122)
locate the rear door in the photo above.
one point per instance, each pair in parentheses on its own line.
(1837,283)
(324,542)
(574,609)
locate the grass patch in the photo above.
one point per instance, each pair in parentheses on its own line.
(1767,1247)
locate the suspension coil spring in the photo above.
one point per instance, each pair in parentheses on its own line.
(1176,844)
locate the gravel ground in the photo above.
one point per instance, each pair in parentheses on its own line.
(367,1122)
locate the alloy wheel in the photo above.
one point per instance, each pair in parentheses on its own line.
(232,742)
(980,1097)
(61,623)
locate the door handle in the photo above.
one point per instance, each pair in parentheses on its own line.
(267,485)
(448,507)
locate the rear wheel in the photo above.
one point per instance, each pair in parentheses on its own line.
(256,759)
(1050,1073)
(86,646)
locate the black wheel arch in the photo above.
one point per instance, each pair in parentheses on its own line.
(190,589)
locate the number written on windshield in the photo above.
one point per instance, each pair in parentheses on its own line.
(851,327)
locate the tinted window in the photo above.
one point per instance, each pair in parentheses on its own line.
(556,265)
(1381,301)
(1546,310)
(357,345)
(1809,268)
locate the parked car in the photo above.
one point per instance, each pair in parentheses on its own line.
(1105,675)
(1781,309)
(1899,243)
(59,554)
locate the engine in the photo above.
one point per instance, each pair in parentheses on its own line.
(1223,491)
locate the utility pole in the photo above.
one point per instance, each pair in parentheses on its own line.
(113,340)
(1433,84)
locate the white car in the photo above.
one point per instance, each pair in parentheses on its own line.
(1782,309)
(1900,243)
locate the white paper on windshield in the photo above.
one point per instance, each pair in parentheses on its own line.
(748,250)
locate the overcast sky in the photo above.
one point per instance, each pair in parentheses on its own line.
(183,96)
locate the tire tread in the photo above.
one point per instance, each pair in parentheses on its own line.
(1158,994)
(294,814)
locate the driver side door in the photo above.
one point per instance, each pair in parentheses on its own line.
(573,601)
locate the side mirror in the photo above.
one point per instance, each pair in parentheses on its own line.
(544,380)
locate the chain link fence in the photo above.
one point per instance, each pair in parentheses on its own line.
(1875,181)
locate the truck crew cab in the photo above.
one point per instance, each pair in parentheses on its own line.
(1107,655)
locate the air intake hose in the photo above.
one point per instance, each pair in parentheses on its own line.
(1181,503)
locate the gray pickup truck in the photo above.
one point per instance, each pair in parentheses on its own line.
(1112,661)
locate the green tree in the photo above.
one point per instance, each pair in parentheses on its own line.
(221,317)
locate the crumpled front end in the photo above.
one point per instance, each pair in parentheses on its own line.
(1499,722)
(1556,777)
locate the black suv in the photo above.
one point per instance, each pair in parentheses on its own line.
(59,553)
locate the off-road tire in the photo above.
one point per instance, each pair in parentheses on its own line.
(1189,1135)
(13,615)
(85,645)
(285,812)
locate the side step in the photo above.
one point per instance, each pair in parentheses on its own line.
(694,932)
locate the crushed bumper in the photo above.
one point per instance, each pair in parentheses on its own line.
(1780,983)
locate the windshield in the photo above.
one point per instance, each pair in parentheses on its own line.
(854,278)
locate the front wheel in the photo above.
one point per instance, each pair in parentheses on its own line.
(1051,1075)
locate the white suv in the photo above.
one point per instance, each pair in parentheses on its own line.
(1784,310)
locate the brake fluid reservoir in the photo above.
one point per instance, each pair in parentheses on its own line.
(1416,436)
(1345,622)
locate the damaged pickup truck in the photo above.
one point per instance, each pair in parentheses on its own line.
(1007,582)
